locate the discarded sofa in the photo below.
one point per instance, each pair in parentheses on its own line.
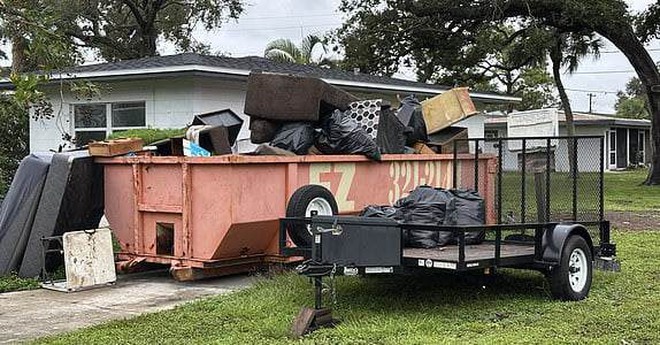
(18,210)
(283,97)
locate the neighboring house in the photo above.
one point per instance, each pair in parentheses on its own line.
(627,141)
(166,91)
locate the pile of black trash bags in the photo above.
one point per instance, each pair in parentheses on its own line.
(339,133)
(435,206)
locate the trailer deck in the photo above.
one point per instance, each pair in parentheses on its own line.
(476,252)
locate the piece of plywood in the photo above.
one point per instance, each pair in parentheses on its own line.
(447,108)
(302,322)
(423,149)
(88,258)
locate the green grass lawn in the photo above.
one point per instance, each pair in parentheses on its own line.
(624,192)
(14,283)
(622,308)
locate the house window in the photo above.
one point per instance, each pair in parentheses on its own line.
(491,134)
(96,121)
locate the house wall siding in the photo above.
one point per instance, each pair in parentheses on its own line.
(169,103)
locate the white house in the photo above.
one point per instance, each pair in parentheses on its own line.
(627,141)
(166,91)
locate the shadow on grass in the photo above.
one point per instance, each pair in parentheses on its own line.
(418,291)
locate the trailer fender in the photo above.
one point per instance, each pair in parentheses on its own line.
(554,240)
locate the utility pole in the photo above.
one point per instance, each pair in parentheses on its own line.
(591,95)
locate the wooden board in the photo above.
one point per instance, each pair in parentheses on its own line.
(115,147)
(476,252)
(302,322)
(447,108)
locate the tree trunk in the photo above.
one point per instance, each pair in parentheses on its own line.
(654,173)
(18,48)
(556,58)
(648,74)
(148,46)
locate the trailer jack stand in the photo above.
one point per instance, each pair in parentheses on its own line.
(310,319)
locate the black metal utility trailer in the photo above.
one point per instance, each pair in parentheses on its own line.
(549,217)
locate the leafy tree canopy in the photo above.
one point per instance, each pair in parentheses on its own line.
(632,102)
(32,27)
(127,29)
(115,29)
(488,58)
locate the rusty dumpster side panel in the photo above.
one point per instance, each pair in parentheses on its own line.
(224,209)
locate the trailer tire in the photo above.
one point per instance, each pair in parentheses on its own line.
(571,279)
(301,204)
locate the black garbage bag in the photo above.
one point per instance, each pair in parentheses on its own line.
(426,213)
(469,209)
(392,134)
(296,137)
(427,194)
(387,212)
(341,134)
(410,114)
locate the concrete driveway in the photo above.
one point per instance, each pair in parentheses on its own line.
(27,315)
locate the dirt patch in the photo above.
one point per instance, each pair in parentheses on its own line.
(634,220)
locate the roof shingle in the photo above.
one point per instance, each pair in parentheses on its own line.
(250,63)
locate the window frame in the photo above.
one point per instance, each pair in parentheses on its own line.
(108,129)
(494,132)
(641,144)
(612,152)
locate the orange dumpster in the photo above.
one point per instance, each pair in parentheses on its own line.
(218,215)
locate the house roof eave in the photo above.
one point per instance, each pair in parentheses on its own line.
(231,72)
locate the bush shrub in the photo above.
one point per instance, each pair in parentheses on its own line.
(149,135)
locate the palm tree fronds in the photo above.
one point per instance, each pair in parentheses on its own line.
(307,46)
(283,50)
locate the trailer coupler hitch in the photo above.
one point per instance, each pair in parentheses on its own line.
(311,268)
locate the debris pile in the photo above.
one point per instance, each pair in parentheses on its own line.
(308,116)
(294,115)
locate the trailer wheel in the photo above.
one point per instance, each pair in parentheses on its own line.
(571,280)
(302,203)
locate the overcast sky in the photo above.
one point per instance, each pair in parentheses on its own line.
(267,20)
